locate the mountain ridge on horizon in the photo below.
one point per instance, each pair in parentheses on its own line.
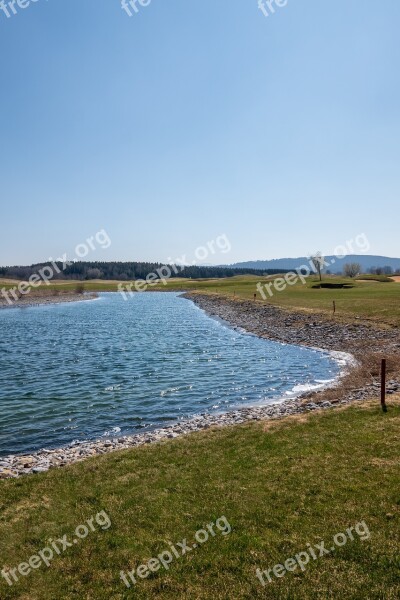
(336,263)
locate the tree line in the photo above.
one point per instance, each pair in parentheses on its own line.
(128,271)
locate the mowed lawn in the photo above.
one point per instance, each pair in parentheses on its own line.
(280,486)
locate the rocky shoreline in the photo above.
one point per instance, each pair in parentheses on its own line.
(262,320)
(38,300)
(305,329)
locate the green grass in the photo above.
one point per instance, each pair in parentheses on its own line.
(296,482)
(69,286)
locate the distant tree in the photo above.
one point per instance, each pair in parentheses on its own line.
(387,270)
(352,269)
(318,262)
(93,273)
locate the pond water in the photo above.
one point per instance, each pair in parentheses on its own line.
(110,367)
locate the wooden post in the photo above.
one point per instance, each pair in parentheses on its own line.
(383,385)
(334,307)
(255,296)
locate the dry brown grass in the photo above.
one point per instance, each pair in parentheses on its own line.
(366,371)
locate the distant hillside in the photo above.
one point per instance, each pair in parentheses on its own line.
(368,263)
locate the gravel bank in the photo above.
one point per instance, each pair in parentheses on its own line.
(305,329)
(37,300)
(265,321)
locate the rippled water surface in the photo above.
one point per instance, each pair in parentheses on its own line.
(109,367)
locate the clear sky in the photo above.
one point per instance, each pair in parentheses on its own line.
(197,118)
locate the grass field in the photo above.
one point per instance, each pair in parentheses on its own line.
(279,487)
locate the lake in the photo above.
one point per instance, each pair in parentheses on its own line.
(111,367)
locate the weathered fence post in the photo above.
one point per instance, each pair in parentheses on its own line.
(383,385)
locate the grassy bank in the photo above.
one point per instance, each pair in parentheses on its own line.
(280,486)
(372,300)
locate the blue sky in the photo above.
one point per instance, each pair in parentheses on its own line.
(192,119)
